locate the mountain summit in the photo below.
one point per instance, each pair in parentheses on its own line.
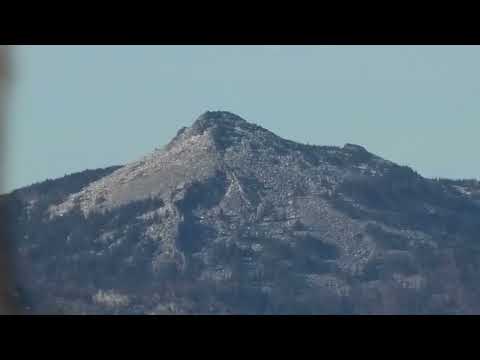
(217,124)
(218,118)
(230,218)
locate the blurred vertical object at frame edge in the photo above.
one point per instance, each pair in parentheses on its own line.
(6,303)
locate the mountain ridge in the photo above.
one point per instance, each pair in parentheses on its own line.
(211,133)
(230,218)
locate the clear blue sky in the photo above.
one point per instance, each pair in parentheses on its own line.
(78,107)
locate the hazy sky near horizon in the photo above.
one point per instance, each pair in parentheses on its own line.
(79,107)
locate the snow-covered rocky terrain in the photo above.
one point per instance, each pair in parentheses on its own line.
(230,218)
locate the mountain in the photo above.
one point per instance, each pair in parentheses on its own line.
(229,218)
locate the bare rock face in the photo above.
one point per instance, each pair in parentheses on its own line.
(230,218)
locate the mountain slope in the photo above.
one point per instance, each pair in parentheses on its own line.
(230,218)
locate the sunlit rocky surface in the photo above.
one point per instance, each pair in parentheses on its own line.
(229,218)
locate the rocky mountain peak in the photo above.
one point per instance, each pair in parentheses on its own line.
(222,119)
(222,127)
(231,218)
